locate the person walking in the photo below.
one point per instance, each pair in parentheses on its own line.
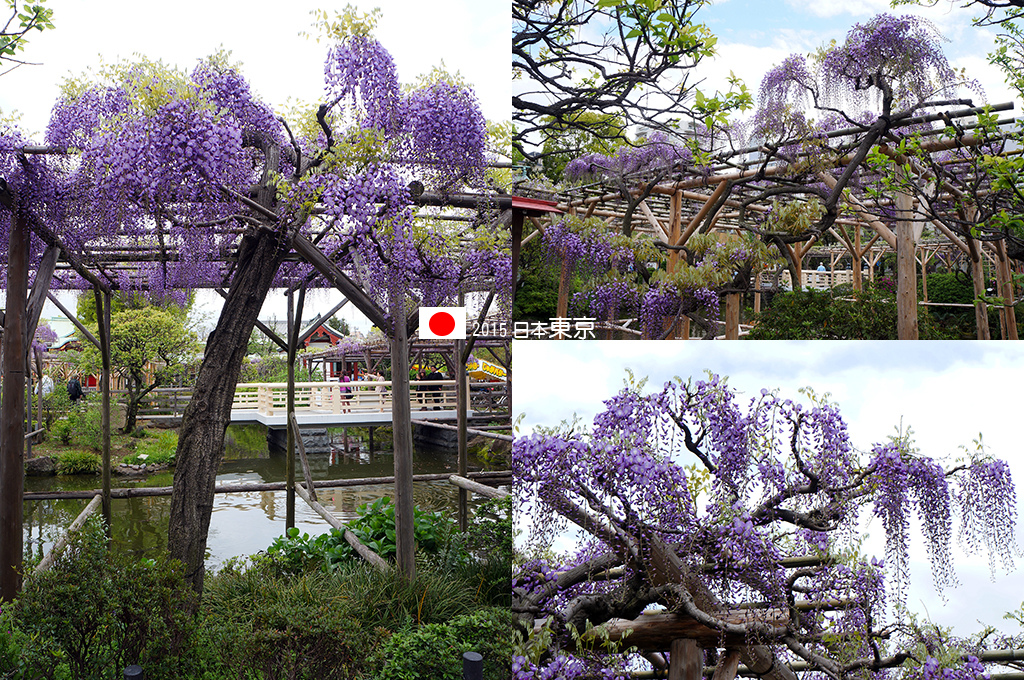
(75,390)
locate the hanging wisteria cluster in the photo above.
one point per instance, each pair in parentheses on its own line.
(163,160)
(885,65)
(654,153)
(735,490)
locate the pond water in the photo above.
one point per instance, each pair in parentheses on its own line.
(242,523)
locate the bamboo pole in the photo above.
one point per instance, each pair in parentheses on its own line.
(350,538)
(79,522)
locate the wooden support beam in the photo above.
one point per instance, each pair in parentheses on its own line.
(401,431)
(304,247)
(656,631)
(40,287)
(50,239)
(517,247)
(703,212)
(733,302)
(476,487)
(103,322)
(350,538)
(656,225)
(74,320)
(320,321)
(862,212)
(61,543)
(267,331)
(727,666)
(294,425)
(502,477)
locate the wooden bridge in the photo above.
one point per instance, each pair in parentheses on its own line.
(333,403)
(325,403)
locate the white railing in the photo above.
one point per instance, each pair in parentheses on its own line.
(812,279)
(352,397)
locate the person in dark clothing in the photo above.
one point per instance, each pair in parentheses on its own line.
(435,390)
(75,390)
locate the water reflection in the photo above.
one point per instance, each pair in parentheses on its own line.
(242,523)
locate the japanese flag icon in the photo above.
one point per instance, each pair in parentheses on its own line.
(443,323)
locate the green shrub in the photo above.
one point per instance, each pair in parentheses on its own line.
(56,404)
(77,462)
(434,651)
(158,450)
(63,430)
(269,626)
(375,527)
(825,315)
(96,611)
(86,424)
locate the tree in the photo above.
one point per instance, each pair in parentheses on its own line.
(217,190)
(14,33)
(149,345)
(687,500)
(339,324)
(634,69)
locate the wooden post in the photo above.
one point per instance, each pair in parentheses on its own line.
(103,321)
(28,399)
(978,278)
(371,428)
(62,543)
(858,279)
(685,661)
(564,279)
(732,316)
(727,666)
(1006,290)
(289,466)
(462,405)
(517,246)
(906,270)
(401,424)
(12,436)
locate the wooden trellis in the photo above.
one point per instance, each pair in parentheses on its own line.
(672,203)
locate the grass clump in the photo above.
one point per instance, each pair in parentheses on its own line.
(158,450)
(75,462)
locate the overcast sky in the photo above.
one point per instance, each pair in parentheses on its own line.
(467,36)
(947,392)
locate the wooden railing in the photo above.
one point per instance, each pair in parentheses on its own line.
(271,399)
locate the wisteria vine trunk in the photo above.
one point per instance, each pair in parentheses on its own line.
(201,437)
